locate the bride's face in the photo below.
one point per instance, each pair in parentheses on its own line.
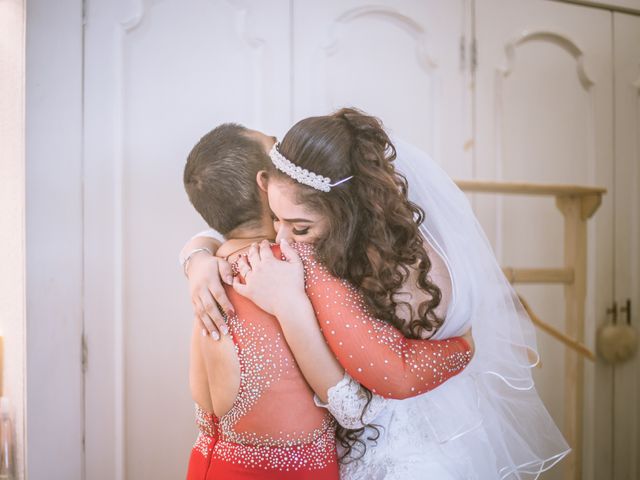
(291,220)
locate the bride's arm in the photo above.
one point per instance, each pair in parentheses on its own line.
(206,273)
(373,352)
(351,405)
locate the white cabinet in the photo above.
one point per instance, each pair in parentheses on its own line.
(399,60)
(626,425)
(493,89)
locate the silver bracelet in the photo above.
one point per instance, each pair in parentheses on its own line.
(187,260)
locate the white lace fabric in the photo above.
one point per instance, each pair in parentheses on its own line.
(347,401)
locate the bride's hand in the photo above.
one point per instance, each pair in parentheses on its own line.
(270,283)
(206,292)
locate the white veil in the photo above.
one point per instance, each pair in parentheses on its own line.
(491,411)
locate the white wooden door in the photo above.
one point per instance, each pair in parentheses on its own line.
(54,240)
(544,114)
(403,61)
(158,76)
(626,42)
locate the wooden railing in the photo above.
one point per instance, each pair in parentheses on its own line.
(577,204)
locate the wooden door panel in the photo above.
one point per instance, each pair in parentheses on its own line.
(400,61)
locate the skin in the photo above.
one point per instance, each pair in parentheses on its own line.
(214,369)
(278,287)
(290,221)
(293,222)
(212,271)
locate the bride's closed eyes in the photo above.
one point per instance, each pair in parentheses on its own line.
(304,231)
(296,231)
(291,219)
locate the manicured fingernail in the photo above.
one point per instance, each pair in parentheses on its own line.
(229,280)
(230,312)
(204,332)
(284,240)
(224,329)
(215,335)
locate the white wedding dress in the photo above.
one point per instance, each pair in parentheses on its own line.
(409,446)
(488,422)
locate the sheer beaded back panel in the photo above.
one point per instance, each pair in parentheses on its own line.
(274,406)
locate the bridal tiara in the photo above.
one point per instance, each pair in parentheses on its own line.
(302,175)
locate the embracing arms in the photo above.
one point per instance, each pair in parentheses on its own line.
(373,352)
(198,261)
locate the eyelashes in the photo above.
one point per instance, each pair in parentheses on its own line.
(304,231)
(295,231)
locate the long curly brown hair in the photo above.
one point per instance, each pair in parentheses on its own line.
(373,237)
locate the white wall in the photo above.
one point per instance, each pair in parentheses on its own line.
(12,216)
(54,238)
(113,111)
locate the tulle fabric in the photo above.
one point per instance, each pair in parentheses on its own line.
(490,417)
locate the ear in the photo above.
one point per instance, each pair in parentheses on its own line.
(262,179)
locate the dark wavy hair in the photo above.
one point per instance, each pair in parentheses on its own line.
(373,237)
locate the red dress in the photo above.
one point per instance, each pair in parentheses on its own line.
(274,430)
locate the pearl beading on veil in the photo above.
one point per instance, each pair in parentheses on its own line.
(302,175)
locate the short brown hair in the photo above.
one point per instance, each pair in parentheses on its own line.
(220,177)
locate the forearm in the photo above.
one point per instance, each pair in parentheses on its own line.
(350,404)
(316,361)
(196,242)
(372,351)
(209,239)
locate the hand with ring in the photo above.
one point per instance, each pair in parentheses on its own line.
(243,267)
(270,282)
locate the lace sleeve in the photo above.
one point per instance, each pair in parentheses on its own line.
(372,351)
(347,401)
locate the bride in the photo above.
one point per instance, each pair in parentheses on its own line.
(488,422)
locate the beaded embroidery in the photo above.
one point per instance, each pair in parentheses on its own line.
(422,365)
(206,430)
(406,367)
(265,359)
